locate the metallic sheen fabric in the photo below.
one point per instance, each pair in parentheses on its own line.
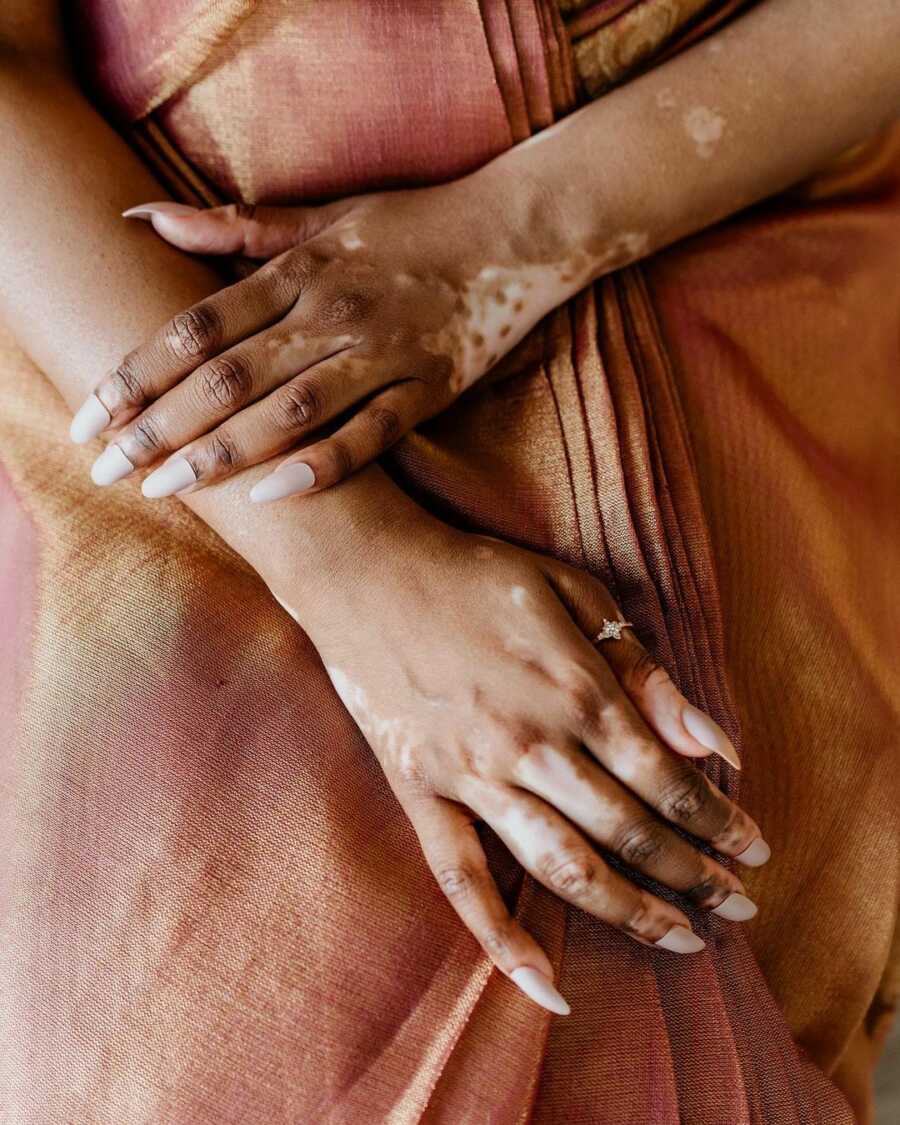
(212,910)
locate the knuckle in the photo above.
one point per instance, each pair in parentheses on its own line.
(146,434)
(297,267)
(458,881)
(497,941)
(641,843)
(526,741)
(583,696)
(298,406)
(638,921)
(569,874)
(705,888)
(340,458)
(223,452)
(195,332)
(685,796)
(737,830)
(226,381)
(128,384)
(386,423)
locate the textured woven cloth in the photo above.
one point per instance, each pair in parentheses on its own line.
(212,909)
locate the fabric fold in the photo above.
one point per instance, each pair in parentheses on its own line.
(273,945)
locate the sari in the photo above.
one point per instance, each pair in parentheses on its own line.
(212,909)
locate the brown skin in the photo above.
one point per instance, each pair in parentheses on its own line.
(321,554)
(414,295)
(327,325)
(473,746)
(490,723)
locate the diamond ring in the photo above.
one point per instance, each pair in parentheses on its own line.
(612,630)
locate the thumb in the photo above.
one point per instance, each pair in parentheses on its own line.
(677,722)
(236,228)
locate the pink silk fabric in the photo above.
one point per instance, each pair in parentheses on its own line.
(211,907)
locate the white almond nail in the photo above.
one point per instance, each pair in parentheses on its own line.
(297,477)
(91,419)
(736,908)
(169,478)
(756,854)
(110,466)
(540,989)
(681,940)
(148,210)
(709,734)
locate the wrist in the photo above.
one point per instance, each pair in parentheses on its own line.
(338,545)
(559,201)
(538,222)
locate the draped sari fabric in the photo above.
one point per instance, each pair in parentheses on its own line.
(212,909)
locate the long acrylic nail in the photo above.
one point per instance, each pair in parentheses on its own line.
(540,989)
(110,466)
(296,477)
(681,940)
(756,854)
(91,419)
(166,207)
(709,734)
(169,479)
(736,908)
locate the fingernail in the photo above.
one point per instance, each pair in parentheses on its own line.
(681,940)
(91,419)
(540,989)
(148,210)
(736,908)
(709,734)
(756,854)
(169,478)
(110,466)
(296,477)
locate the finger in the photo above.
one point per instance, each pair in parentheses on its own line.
(189,339)
(568,780)
(236,228)
(558,856)
(609,725)
(455,855)
(372,430)
(226,385)
(611,728)
(683,727)
(270,426)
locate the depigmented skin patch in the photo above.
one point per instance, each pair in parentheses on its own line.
(394,738)
(665,99)
(705,128)
(535,836)
(495,723)
(445,316)
(485,327)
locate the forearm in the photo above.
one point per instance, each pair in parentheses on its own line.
(81,286)
(759,106)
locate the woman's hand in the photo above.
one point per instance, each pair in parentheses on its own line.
(473,678)
(371,315)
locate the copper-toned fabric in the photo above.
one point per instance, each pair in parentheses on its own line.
(212,910)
